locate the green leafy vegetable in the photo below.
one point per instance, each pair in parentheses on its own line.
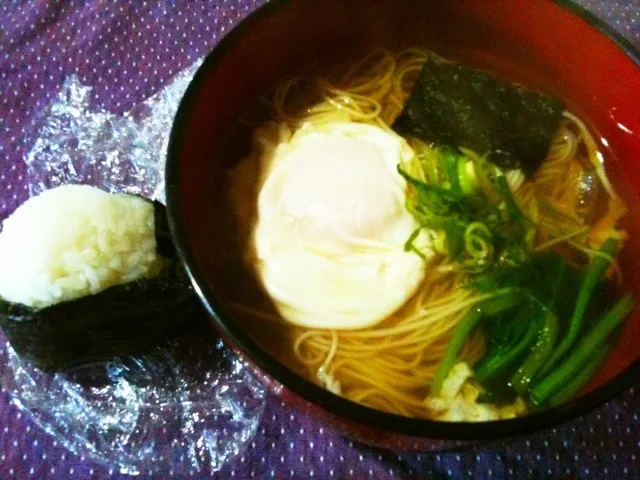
(460,335)
(507,353)
(594,274)
(582,378)
(466,204)
(503,301)
(585,350)
(538,355)
(453,105)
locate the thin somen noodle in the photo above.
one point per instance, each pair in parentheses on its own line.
(390,365)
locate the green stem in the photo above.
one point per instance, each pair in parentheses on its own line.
(507,298)
(504,357)
(583,377)
(539,354)
(504,301)
(595,271)
(489,358)
(563,374)
(453,348)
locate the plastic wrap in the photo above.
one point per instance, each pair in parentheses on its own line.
(125,153)
(188,406)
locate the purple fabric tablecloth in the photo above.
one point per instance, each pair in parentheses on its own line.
(127,51)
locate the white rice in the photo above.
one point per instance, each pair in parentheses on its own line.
(73,241)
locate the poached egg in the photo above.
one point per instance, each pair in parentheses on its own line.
(332,225)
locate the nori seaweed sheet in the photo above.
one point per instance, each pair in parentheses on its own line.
(125,319)
(454,105)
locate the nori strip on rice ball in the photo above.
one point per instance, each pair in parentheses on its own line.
(87,276)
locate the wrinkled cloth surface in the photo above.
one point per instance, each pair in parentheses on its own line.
(128,51)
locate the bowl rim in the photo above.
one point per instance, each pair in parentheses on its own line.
(312,392)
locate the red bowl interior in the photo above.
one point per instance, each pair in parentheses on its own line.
(542,44)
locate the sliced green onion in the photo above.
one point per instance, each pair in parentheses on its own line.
(410,247)
(505,193)
(450,160)
(477,238)
(466,176)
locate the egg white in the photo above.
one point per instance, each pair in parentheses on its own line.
(332,224)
